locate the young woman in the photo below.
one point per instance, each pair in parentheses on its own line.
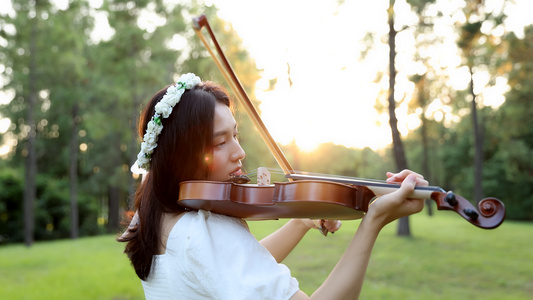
(189,133)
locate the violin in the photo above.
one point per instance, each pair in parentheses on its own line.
(322,197)
(306,195)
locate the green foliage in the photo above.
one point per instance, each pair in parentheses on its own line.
(52,209)
(511,145)
(339,160)
(508,167)
(10,205)
(506,132)
(419,5)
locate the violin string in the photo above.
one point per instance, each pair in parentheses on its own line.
(274,171)
(278,171)
(350,179)
(340,176)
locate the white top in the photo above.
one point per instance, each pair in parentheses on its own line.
(211,256)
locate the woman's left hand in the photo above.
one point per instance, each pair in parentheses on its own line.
(330,225)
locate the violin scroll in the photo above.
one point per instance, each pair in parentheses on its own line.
(489,214)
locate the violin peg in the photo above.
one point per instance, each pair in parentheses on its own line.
(471,213)
(450,198)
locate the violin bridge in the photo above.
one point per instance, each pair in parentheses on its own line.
(263,176)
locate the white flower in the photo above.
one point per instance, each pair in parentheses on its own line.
(153,127)
(142,162)
(136,168)
(171,90)
(164,109)
(141,159)
(150,138)
(147,148)
(172,98)
(190,80)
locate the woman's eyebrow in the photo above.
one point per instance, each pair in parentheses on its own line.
(220,133)
(224,131)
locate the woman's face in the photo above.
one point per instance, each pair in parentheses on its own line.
(227,152)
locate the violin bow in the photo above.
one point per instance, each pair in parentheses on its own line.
(227,71)
(489,214)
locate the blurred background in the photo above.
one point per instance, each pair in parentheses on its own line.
(350,88)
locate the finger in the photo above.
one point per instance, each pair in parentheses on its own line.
(407,186)
(320,226)
(422,182)
(399,177)
(403,174)
(318,223)
(332,225)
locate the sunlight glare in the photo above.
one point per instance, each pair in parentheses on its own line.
(4,150)
(493,96)
(459,78)
(4,125)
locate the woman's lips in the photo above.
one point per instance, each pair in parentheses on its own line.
(237,172)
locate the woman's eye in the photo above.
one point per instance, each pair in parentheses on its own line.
(219,145)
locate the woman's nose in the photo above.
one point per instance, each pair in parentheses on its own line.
(239,153)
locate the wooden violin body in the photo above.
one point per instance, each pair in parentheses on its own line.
(303,199)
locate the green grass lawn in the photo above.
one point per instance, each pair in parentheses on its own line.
(447,258)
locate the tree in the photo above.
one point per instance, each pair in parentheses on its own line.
(43,36)
(477,46)
(397,145)
(509,166)
(31,159)
(72,34)
(23,58)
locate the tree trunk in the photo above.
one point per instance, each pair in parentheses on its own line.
(74,148)
(113,217)
(30,166)
(133,152)
(478,139)
(399,155)
(423,132)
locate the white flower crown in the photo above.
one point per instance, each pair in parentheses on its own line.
(162,110)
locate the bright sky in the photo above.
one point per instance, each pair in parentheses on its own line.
(333,95)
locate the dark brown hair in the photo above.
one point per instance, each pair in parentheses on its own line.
(182,146)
